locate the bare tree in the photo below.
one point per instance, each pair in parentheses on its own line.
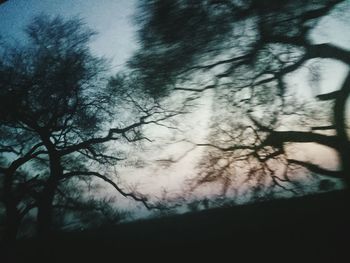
(18,185)
(244,167)
(245,51)
(55,92)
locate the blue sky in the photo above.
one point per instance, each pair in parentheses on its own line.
(112,19)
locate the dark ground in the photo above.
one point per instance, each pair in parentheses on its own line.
(306,229)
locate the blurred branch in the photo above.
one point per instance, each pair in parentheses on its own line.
(317,169)
(135,197)
(323,128)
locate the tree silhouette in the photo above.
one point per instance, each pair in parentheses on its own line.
(18,148)
(57,110)
(245,51)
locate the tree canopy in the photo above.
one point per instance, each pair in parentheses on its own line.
(59,112)
(245,51)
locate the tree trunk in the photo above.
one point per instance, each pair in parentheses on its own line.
(12,215)
(45,204)
(339,117)
(45,214)
(12,222)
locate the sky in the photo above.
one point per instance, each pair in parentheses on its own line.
(116,40)
(112,19)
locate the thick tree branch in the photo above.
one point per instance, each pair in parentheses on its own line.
(323,128)
(328,96)
(316,168)
(228,149)
(320,12)
(277,138)
(197,90)
(218,63)
(31,154)
(327,50)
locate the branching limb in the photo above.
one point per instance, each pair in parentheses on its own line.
(135,197)
(317,169)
